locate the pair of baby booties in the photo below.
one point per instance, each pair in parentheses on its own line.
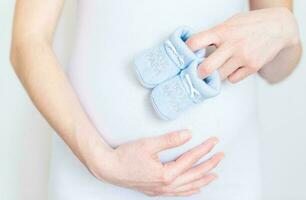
(170,70)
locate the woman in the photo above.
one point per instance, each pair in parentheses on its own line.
(103,98)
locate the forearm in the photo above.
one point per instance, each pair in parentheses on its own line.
(41,75)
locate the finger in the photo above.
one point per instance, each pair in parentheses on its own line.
(240,74)
(188,159)
(202,182)
(169,140)
(215,60)
(203,39)
(187,193)
(229,67)
(199,171)
(170,192)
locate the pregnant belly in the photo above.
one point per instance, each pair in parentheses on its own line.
(120,109)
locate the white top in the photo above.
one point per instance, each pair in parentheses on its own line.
(109,35)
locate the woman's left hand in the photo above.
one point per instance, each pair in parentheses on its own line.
(246,42)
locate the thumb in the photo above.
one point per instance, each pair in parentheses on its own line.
(170,140)
(202,40)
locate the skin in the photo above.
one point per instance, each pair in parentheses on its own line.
(37,67)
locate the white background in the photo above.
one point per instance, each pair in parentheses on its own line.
(25,140)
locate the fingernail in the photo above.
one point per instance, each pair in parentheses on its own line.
(222,155)
(214,175)
(213,140)
(185,134)
(216,140)
(201,74)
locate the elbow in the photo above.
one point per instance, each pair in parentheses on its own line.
(15,59)
(24,49)
(14,56)
(300,47)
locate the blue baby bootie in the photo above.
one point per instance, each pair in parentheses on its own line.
(157,64)
(184,90)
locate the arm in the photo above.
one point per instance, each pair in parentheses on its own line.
(287,59)
(40,73)
(264,41)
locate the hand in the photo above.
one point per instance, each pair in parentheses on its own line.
(246,42)
(136,165)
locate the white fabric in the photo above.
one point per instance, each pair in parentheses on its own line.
(109,34)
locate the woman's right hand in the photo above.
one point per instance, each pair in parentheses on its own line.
(136,165)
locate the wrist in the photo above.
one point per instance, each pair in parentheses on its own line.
(90,145)
(101,163)
(289,27)
(99,160)
(94,148)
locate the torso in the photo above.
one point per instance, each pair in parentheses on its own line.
(109,35)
